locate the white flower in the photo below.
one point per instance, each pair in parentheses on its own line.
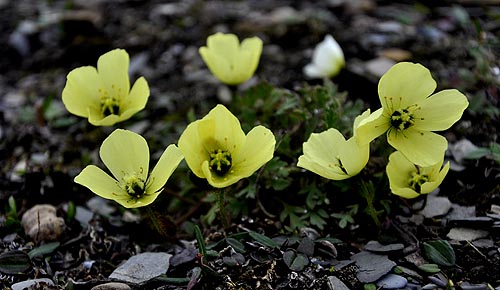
(328,59)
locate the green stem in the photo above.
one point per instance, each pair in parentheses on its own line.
(368,193)
(154,221)
(222,208)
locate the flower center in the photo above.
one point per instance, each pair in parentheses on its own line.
(220,161)
(134,185)
(110,105)
(416,181)
(402,119)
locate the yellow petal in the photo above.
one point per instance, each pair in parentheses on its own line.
(218,66)
(257,150)
(221,55)
(192,147)
(353,156)
(219,181)
(168,162)
(399,171)
(436,178)
(405,84)
(440,111)
(138,96)
(81,91)
(224,132)
(113,70)
(100,183)
(321,153)
(125,153)
(419,147)
(96,119)
(372,126)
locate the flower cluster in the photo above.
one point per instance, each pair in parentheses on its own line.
(217,149)
(410,112)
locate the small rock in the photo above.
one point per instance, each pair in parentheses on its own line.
(465,234)
(461,149)
(460,212)
(392,281)
(483,243)
(32,284)
(375,246)
(335,283)
(473,222)
(100,206)
(111,286)
(379,66)
(396,54)
(371,266)
(142,267)
(41,223)
(436,206)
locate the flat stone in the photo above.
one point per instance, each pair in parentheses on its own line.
(371,266)
(38,283)
(335,283)
(466,234)
(142,267)
(111,286)
(461,212)
(375,246)
(392,281)
(483,222)
(379,66)
(436,206)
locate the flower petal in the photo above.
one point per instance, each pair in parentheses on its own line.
(168,162)
(113,70)
(138,96)
(399,171)
(219,181)
(436,178)
(218,66)
(81,92)
(321,153)
(192,147)
(419,147)
(405,84)
(440,111)
(124,153)
(353,156)
(100,183)
(372,126)
(222,132)
(257,150)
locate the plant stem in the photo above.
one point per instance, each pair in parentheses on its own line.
(368,193)
(154,221)
(222,208)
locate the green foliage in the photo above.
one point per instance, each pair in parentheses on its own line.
(440,252)
(293,116)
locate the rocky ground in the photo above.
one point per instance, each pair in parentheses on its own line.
(448,239)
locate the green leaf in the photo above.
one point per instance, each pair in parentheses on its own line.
(440,252)
(14,262)
(430,268)
(266,241)
(43,250)
(200,240)
(237,245)
(295,261)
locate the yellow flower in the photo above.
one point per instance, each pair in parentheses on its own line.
(410,113)
(216,148)
(330,155)
(229,61)
(126,154)
(327,61)
(409,180)
(103,95)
